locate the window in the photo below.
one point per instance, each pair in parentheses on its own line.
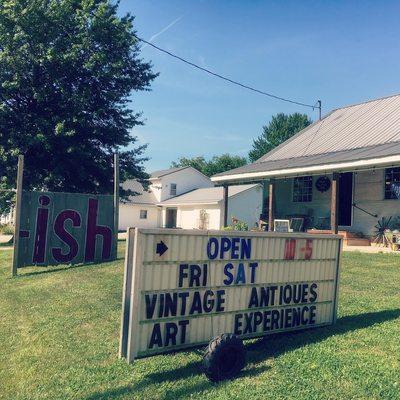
(302,189)
(172,190)
(143,214)
(392,183)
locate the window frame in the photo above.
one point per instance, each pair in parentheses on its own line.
(173,188)
(306,192)
(141,215)
(388,193)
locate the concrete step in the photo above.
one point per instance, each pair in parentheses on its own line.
(357,241)
(349,235)
(345,234)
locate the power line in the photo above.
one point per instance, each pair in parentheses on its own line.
(315,106)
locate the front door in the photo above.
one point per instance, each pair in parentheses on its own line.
(170,220)
(345,198)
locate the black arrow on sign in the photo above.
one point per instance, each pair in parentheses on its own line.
(161,248)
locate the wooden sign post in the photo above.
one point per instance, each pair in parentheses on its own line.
(17,214)
(116,199)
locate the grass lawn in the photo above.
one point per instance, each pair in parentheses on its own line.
(59,331)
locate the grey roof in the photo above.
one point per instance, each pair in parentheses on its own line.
(360,131)
(206,195)
(143,198)
(163,172)
(319,159)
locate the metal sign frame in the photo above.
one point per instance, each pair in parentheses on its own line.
(164,246)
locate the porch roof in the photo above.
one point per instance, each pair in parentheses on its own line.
(362,136)
(349,160)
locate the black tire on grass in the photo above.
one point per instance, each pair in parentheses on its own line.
(224,358)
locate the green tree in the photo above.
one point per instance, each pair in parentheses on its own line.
(67,70)
(213,166)
(198,163)
(280,128)
(223,163)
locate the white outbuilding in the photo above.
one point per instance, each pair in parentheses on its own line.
(204,208)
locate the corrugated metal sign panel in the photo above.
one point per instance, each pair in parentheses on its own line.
(181,288)
(66,228)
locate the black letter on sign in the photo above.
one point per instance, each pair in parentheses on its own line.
(150,305)
(220,300)
(183,324)
(238,324)
(170,333)
(195,273)
(171,304)
(182,273)
(313,292)
(253,298)
(156,338)
(196,304)
(312,315)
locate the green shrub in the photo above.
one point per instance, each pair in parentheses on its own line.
(6,229)
(236,226)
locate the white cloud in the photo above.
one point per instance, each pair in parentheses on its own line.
(175,21)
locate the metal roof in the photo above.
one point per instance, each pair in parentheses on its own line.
(163,172)
(210,195)
(360,131)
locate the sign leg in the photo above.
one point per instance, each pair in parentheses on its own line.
(17,215)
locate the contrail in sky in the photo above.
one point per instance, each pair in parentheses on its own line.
(163,30)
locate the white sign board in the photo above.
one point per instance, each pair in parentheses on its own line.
(182,288)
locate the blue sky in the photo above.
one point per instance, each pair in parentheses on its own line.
(342,52)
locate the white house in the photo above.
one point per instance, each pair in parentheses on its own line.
(141,210)
(144,210)
(204,209)
(185,198)
(7,219)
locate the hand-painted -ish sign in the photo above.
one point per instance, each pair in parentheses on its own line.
(65,228)
(182,288)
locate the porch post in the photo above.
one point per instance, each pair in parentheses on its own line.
(335,203)
(226,188)
(271,205)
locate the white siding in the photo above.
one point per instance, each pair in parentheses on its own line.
(156,188)
(246,206)
(186,180)
(129,216)
(369,194)
(319,207)
(189,217)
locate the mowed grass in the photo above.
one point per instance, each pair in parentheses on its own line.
(59,331)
